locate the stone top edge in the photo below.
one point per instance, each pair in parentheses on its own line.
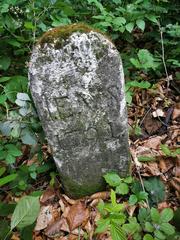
(63,32)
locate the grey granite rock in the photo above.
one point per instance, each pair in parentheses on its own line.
(77,84)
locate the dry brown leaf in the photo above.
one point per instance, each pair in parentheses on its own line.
(62,205)
(100,195)
(176,112)
(69,200)
(78,232)
(162,205)
(89,229)
(78,215)
(44,218)
(57,228)
(153,142)
(175,182)
(66,212)
(151,125)
(48,196)
(73,237)
(130,209)
(15,236)
(151,169)
(165,165)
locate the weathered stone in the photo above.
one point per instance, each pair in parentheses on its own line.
(76,81)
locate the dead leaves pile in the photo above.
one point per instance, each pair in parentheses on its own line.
(157,112)
(62,218)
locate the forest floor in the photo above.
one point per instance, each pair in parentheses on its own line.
(154,139)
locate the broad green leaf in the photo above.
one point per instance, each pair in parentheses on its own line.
(28,137)
(3,99)
(141,24)
(5,62)
(113,208)
(26,212)
(123,189)
(155,188)
(4,79)
(149,227)
(148,237)
(102,225)
(112,179)
(166,215)
(135,62)
(128,179)
(2,171)
(129,27)
(144,215)
(13,150)
(29,25)
(21,103)
(23,96)
(4,230)
(6,209)
(133,199)
(10,159)
(15,85)
(14,43)
(155,215)
(142,195)
(117,233)
(7,179)
(152,18)
(119,21)
(159,235)
(167,228)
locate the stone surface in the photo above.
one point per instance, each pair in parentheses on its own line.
(77,83)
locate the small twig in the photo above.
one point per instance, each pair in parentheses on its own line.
(145,116)
(163,53)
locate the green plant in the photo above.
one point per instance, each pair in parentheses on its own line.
(150,224)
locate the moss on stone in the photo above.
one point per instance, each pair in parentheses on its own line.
(75,190)
(59,34)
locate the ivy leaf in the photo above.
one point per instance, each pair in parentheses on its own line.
(141,24)
(112,179)
(25,212)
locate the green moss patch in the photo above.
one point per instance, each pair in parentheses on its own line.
(59,34)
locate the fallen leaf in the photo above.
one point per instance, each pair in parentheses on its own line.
(151,169)
(44,218)
(57,228)
(151,125)
(162,206)
(69,200)
(175,182)
(153,142)
(78,215)
(165,165)
(100,195)
(48,196)
(176,112)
